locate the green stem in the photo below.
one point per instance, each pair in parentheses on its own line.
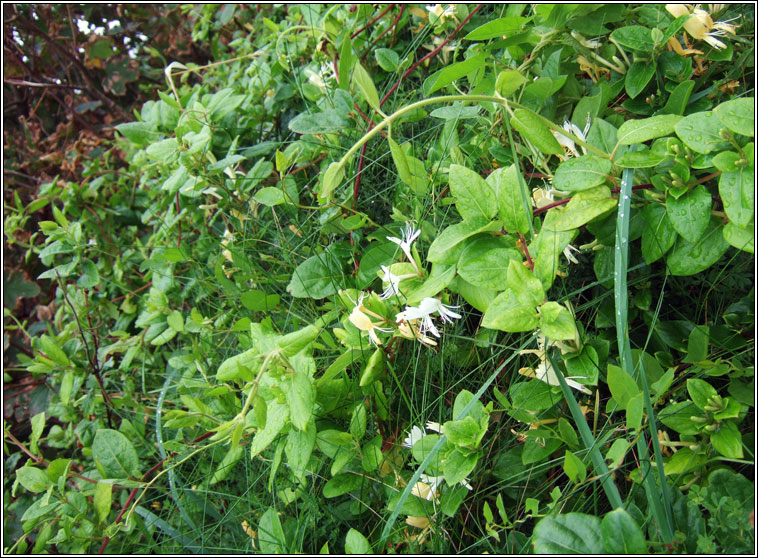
(467,98)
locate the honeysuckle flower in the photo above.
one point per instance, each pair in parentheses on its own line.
(700,25)
(428,485)
(544,371)
(360,319)
(545,196)
(441,13)
(569,256)
(569,146)
(445,51)
(412,330)
(409,235)
(393,282)
(413,436)
(424,313)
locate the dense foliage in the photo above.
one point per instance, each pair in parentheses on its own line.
(393,278)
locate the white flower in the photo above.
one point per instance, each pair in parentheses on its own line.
(412,330)
(393,283)
(700,25)
(442,14)
(414,436)
(569,256)
(569,146)
(434,426)
(424,313)
(409,235)
(428,486)
(545,373)
(362,321)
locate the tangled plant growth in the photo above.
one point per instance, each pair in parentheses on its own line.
(473,278)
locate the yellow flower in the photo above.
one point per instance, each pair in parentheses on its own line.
(700,25)
(362,321)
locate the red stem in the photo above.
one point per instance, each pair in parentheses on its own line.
(370,23)
(146,476)
(392,90)
(383,33)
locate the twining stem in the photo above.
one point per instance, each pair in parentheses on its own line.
(452,98)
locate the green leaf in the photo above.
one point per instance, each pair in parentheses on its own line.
(581,173)
(365,84)
(270,196)
(556,322)
(102,500)
(456,111)
(508,313)
(33,479)
(508,82)
(410,170)
(524,284)
(658,234)
(300,397)
(583,208)
(317,277)
(510,202)
(700,391)
(484,262)
(497,28)
(638,76)
(139,133)
(567,432)
(533,128)
(622,385)
(621,534)
(175,321)
(258,301)
(727,440)
(474,197)
(638,131)
(464,432)
(224,469)
(299,447)
(333,176)
(737,191)
(690,213)
(38,425)
(546,249)
(700,132)
(689,258)
(575,470)
(276,417)
(677,101)
(571,533)
(270,533)
(318,123)
(447,248)
(697,346)
(372,454)
(52,350)
(387,59)
(358,422)
(458,466)
(346,62)
(342,484)
(678,417)
(375,368)
(453,72)
(356,543)
(162,150)
(738,115)
(635,37)
(115,455)
(739,237)
(634,412)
